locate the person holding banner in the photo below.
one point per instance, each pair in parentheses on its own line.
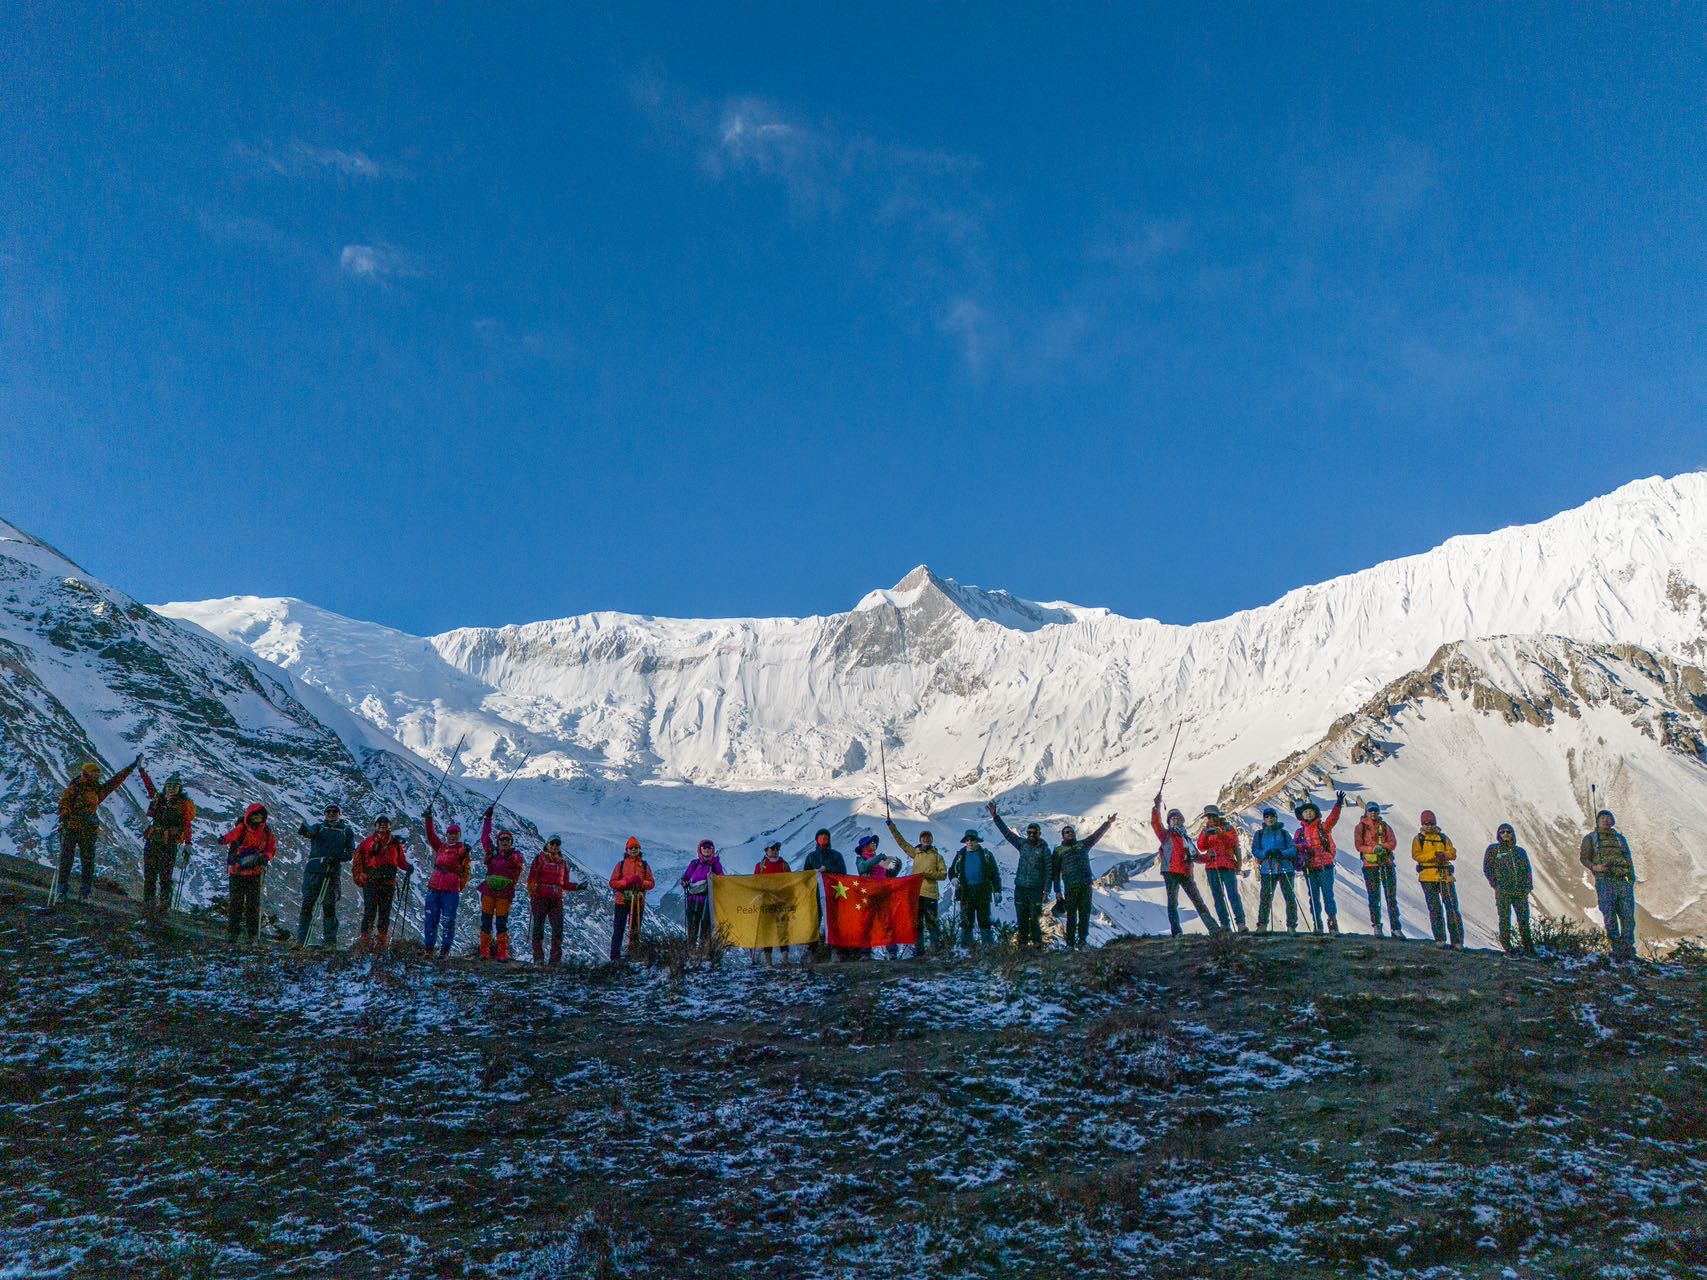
(826,858)
(773,864)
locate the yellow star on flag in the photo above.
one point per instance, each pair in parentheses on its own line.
(841,890)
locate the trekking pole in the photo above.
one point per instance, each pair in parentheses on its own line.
(508,780)
(449,765)
(1167,768)
(883,759)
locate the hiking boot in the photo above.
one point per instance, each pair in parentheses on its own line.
(1333,924)
(1380,932)
(1444,946)
(1242,928)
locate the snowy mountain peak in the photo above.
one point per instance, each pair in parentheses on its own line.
(928,597)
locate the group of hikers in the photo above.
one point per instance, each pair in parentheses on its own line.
(380,859)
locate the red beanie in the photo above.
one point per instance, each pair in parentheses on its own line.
(1428,817)
(632,843)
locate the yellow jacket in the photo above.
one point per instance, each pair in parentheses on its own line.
(1433,854)
(926,862)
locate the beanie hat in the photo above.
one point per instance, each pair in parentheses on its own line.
(823,831)
(1032,826)
(1269,813)
(89,766)
(174,779)
(455,828)
(1306,805)
(925,835)
(1606,813)
(632,845)
(1372,807)
(1428,817)
(705,846)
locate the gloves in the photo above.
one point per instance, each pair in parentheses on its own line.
(489,812)
(1339,798)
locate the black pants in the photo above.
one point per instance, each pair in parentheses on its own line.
(547,911)
(1028,910)
(627,918)
(319,886)
(1443,918)
(1176,882)
(243,914)
(376,904)
(975,904)
(929,926)
(1507,905)
(158,859)
(697,908)
(72,843)
(1266,904)
(1078,899)
(1379,880)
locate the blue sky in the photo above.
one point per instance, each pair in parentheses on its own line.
(459,315)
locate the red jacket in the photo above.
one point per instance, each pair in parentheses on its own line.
(371,855)
(244,842)
(1370,835)
(1315,840)
(549,877)
(450,861)
(770,866)
(1176,846)
(1220,846)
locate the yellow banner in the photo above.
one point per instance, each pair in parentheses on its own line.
(766,911)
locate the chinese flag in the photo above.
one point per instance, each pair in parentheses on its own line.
(871,913)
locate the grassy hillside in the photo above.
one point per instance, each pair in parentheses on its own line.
(169,1107)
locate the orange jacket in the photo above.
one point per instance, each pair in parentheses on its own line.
(632,878)
(80,800)
(1371,836)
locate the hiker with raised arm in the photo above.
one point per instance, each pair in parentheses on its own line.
(1175,858)
(504,868)
(1434,855)
(453,863)
(1032,877)
(80,824)
(1218,842)
(977,882)
(331,843)
(1314,841)
(249,847)
(1606,853)
(932,871)
(548,881)
(1277,861)
(630,882)
(1375,842)
(171,814)
(1505,863)
(1070,872)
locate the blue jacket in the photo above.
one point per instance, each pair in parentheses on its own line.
(1272,848)
(329,844)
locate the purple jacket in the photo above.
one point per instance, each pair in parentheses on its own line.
(696,879)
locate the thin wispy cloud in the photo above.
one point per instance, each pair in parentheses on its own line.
(299,159)
(913,215)
(378,263)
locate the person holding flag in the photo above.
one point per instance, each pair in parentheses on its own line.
(826,858)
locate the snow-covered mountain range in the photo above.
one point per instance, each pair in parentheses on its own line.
(740,728)
(88,673)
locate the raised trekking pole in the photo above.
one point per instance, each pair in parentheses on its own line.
(449,765)
(509,779)
(883,759)
(1168,768)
